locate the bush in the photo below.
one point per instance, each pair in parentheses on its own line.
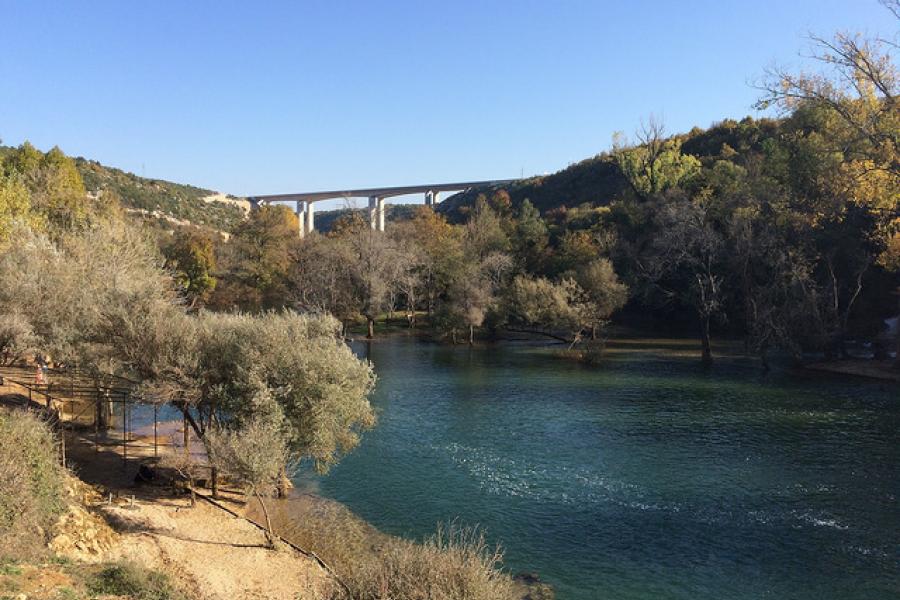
(454,564)
(133,581)
(31,483)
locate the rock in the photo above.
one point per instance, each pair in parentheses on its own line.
(531,587)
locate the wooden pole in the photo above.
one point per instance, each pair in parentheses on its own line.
(155,430)
(124,432)
(62,445)
(97,409)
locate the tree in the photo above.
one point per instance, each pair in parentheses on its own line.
(57,191)
(604,292)
(217,367)
(322,278)
(656,163)
(546,307)
(84,290)
(257,260)
(17,338)
(15,205)
(254,453)
(530,238)
(376,268)
(439,247)
(685,261)
(857,101)
(411,274)
(191,256)
(484,233)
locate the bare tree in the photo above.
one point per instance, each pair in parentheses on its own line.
(684,262)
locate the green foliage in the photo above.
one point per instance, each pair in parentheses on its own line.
(31,483)
(133,581)
(191,256)
(542,303)
(255,264)
(290,370)
(55,187)
(15,205)
(656,165)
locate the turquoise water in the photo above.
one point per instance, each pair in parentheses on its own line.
(648,477)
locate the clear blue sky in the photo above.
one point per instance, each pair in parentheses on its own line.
(255,97)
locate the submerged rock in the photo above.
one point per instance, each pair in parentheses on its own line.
(530,586)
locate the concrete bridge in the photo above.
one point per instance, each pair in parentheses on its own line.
(304,200)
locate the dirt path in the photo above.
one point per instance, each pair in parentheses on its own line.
(210,553)
(216,555)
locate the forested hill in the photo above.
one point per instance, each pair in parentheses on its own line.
(170,203)
(598,180)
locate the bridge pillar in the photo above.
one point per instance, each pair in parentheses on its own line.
(376,213)
(429,198)
(435,198)
(301,217)
(310,222)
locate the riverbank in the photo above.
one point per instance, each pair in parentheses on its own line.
(209,551)
(624,343)
(868,368)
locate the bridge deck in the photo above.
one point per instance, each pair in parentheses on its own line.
(383,192)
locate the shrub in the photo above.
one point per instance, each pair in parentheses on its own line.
(133,581)
(454,564)
(31,483)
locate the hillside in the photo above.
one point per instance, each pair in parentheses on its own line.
(164,199)
(597,180)
(170,203)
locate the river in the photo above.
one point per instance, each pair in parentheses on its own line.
(649,477)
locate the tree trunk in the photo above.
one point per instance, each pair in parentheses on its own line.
(214,482)
(283,483)
(371,327)
(764,357)
(187,437)
(704,339)
(897,356)
(471,335)
(270,535)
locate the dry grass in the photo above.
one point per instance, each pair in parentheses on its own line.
(31,484)
(455,563)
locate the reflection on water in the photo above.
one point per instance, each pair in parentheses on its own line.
(650,477)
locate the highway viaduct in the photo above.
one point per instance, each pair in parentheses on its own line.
(304,200)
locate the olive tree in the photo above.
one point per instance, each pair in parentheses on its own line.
(254,453)
(216,368)
(17,338)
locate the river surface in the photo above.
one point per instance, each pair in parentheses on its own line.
(649,477)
